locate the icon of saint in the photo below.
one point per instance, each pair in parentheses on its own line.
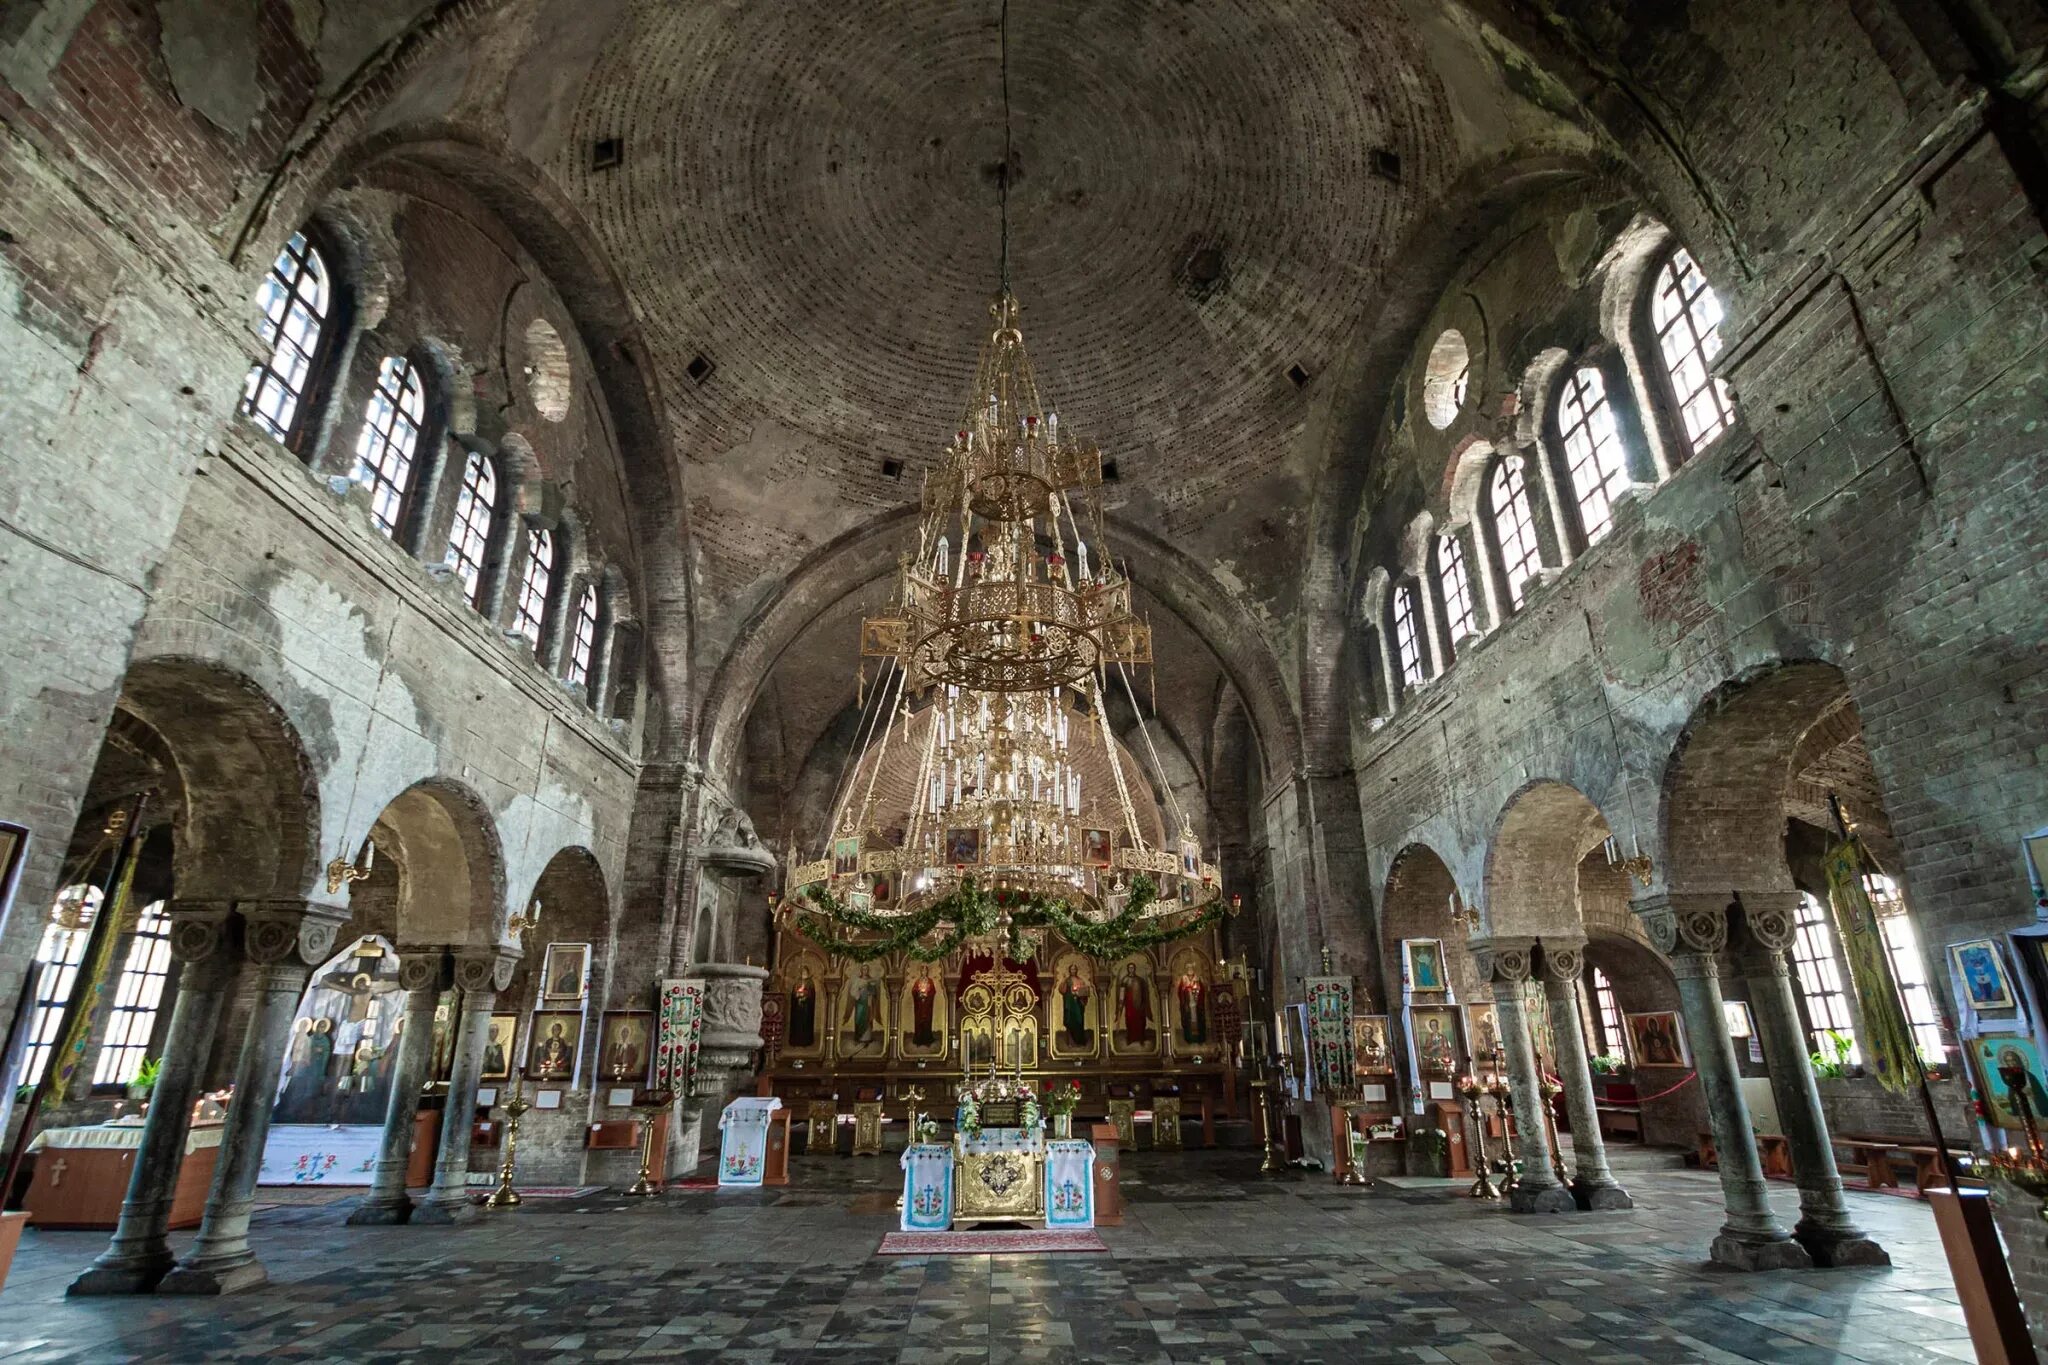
(803,1011)
(923,993)
(1074,1008)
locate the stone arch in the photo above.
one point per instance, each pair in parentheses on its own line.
(1417,902)
(451,865)
(1532,861)
(1464,480)
(1536,390)
(1724,789)
(248,824)
(575,904)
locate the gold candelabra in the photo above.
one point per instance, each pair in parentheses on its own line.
(1474,1090)
(515,1108)
(1505,1098)
(1343,1099)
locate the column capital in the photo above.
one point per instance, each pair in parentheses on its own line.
(1772,918)
(485,969)
(1502,959)
(276,931)
(422,969)
(198,928)
(1560,958)
(1684,923)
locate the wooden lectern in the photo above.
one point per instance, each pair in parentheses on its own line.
(775,1163)
(1109,1192)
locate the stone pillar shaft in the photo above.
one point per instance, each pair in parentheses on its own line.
(387,1201)
(448,1200)
(220,1260)
(139,1253)
(1595,1185)
(1537,1190)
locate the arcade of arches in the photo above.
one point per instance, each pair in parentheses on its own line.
(1579,464)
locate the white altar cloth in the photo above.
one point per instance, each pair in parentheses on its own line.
(743,1146)
(927,1187)
(1070,1183)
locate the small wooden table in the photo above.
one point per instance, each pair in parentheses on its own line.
(82,1174)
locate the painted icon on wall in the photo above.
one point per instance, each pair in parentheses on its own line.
(2000,1058)
(846,856)
(1982,970)
(551,1056)
(1423,961)
(1436,1039)
(563,970)
(1657,1039)
(1369,1048)
(499,1047)
(622,1051)
(1095,847)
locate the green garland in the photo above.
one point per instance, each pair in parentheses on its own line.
(972,913)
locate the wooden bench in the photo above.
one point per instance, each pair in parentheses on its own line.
(1773,1151)
(1872,1160)
(1875,1155)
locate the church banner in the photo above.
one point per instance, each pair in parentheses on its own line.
(1329,1028)
(1070,1183)
(927,1187)
(1887,1038)
(681,1025)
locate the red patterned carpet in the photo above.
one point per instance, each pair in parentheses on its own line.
(1025,1240)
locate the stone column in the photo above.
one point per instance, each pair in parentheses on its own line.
(480,975)
(140,1253)
(1825,1228)
(1593,1184)
(1692,930)
(421,975)
(1505,962)
(282,941)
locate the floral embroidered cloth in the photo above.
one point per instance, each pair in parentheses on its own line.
(680,1028)
(1070,1183)
(927,1187)
(743,1145)
(1003,1140)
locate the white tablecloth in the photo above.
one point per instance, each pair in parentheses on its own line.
(927,1187)
(743,1146)
(118,1135)
(1070,1183)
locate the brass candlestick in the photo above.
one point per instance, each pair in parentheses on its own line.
(1505,1098)
(505,1197)
(2015,1078)
(1273,1159)
(649,1110)
(1474,1090)
(1551,1090)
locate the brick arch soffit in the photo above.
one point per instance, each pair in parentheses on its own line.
(1730,765)
(410,817)
(249,826)
(1345,429)
(862,556)
(543,223)
(1533,852)
(579,871)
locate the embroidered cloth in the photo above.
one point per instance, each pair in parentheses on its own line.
(743,1145)
(927,1187)
(1070,1183)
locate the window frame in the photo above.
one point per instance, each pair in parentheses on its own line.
(1817,971)
(1686,447)
(1909,966)
(463,527)
(321,365)
(1515,593)
(1411,646)
(1464,604)
(1607,1015)
(146,969)
(405,496)
(1612,481)
(533,625)
(582,651)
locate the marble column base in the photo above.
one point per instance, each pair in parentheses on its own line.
(123,1275)
(1528,1198)
(1601,1196)
(226,1277)
(435,1213)
(1831,1247)
(383,1214)
(1746,1253)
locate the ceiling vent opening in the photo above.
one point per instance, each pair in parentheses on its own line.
(607,152)
(700,368)
(1109,471)
(1204,268)
(892,469)
(1386,164)
(1297,376)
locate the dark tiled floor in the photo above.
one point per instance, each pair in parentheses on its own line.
(1211,1264)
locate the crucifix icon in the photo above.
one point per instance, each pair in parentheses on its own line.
(57,1169)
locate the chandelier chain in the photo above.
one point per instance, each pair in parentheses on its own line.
(1003,177)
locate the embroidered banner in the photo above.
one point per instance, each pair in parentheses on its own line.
(1070,1183)
(927,1187)
(680,1024)
(1329,1025)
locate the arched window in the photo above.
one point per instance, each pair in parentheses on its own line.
(294,302)
(1456,587)
(1687,319)
(1407,640)
(57,959)
(136,999)
(1820,975)
(1514,528)
(583,638)
(531,610)
(1612,1039)
(391,435)
(1592,450)
(469,539)
(1909,968)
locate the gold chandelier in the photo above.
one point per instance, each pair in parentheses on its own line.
(990,795)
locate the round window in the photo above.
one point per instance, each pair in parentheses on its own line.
(1445,381)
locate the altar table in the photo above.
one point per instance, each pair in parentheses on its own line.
(1000,1177)
(743,1147)
(82,1175)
